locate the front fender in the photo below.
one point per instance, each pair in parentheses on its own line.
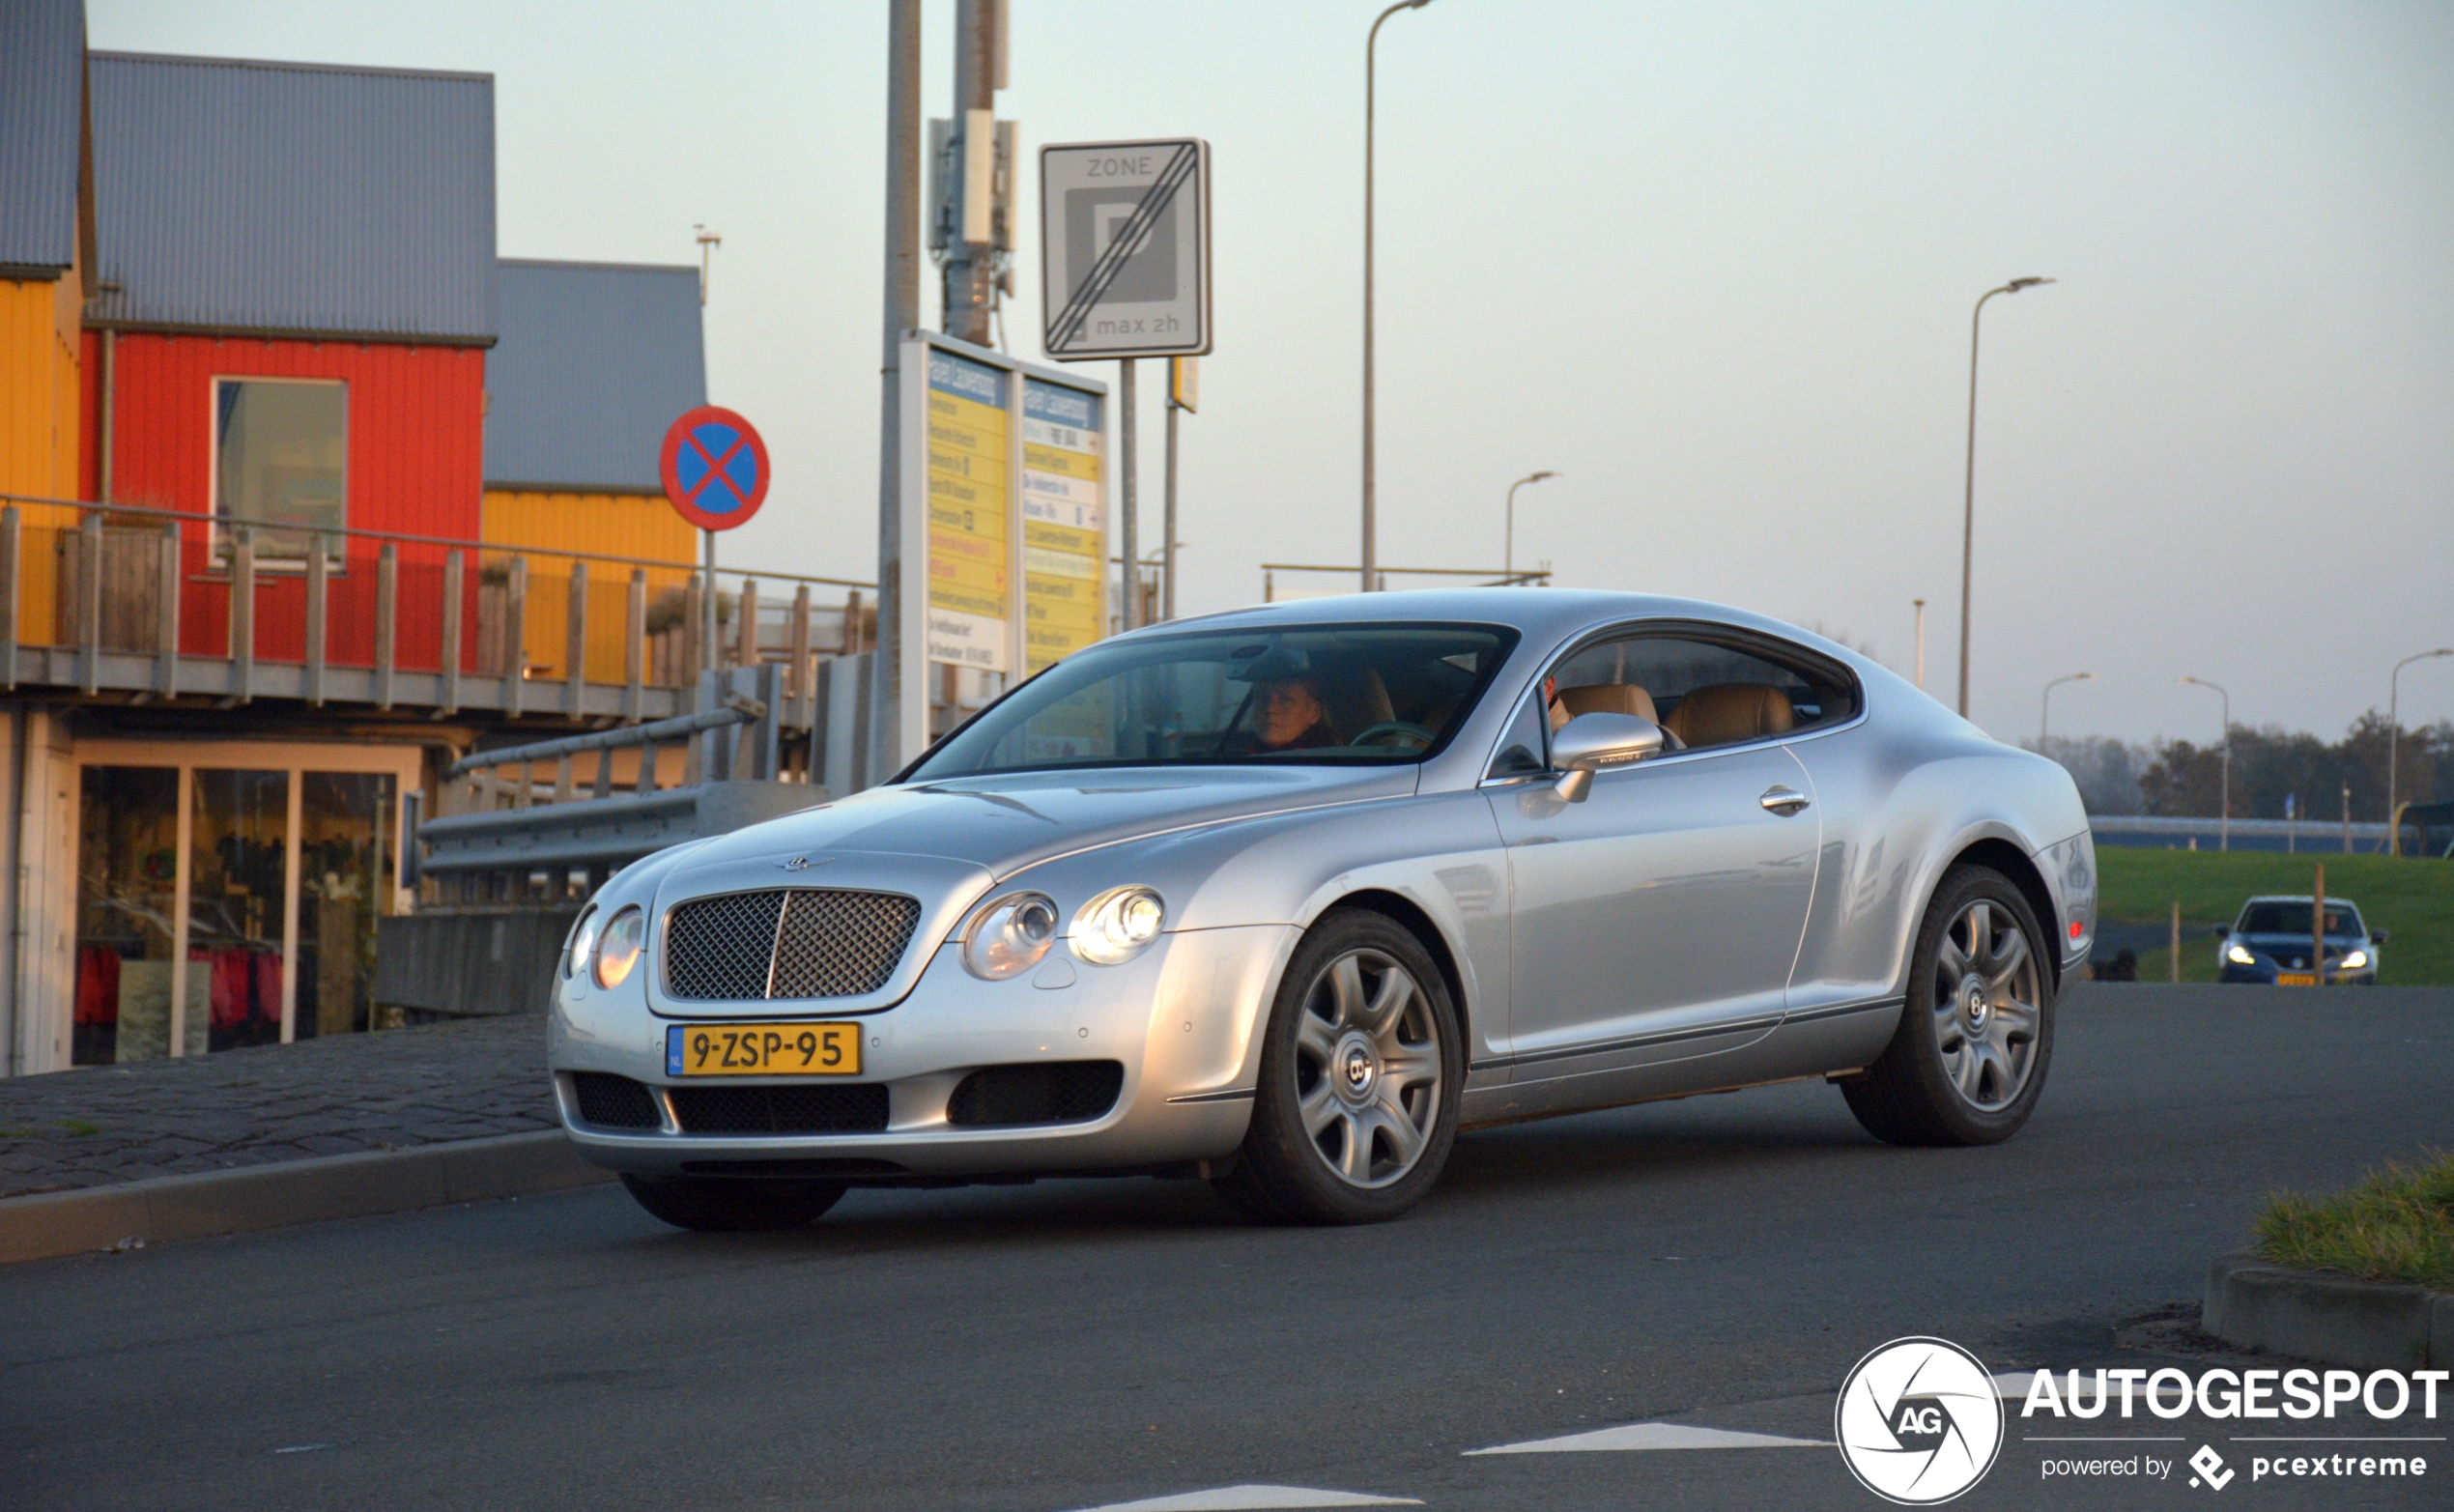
(1440,852)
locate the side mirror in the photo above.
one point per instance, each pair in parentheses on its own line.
(2222,932)
(1595,742)
(2376,936)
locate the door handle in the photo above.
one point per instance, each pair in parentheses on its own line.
(1783,801)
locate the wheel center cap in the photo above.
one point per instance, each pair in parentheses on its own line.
(1359,1067)
(1975,1005)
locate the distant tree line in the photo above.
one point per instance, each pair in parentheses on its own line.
(2179,780)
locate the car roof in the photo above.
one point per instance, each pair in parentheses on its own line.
(1542,615)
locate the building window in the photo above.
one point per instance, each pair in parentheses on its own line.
(282,462)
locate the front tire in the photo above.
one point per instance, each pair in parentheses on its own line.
(732,1206)
(1968,1062)
(1361,1066)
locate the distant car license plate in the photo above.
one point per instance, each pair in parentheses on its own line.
(2295,979)
(763,1050)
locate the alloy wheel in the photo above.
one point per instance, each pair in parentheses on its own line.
(1367,1067)
(1987,988)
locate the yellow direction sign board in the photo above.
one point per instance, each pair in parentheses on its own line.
(1004,530)
(1064,522)
(971,602)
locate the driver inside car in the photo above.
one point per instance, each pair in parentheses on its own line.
(1287,715)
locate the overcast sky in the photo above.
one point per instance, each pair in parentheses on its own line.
(1711,261)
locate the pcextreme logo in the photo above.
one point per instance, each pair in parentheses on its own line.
(1918,1421)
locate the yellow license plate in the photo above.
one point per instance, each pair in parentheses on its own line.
(763,1050)
(2295,979)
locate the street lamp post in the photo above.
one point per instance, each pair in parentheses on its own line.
(1968,498)
(1508,550)
(1371,44)
(2045,716)
(2394,735)
(2224,834)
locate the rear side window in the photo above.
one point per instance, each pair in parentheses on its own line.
(1704,687)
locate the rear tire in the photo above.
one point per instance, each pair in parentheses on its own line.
(1968,1062)
(732,1206)
(1361,1066)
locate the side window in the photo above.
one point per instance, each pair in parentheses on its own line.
(1706,691)
(1524,749)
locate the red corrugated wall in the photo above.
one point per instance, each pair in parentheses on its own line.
(416,465)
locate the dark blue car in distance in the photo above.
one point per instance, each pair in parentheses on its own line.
(2269,945)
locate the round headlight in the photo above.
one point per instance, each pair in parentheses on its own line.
(1009,935)
(575,956)
(1114,926)
(618,948)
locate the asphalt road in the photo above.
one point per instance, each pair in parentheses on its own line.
(1719,1262)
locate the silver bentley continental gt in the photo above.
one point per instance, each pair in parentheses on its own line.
(1285,898)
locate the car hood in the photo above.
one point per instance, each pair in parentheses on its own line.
(2269,944)
(1004,823)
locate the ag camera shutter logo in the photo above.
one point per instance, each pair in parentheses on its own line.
(1918,1421)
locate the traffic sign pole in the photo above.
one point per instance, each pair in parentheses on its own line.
(715,472)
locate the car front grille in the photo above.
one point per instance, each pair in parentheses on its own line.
(614,1102)
(859,1107)
(787,943)
(1057,1092)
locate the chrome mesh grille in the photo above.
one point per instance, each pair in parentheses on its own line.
(840,944)
(787,943)
(718,947)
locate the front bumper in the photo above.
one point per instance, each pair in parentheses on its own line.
(2263,975)
(1184,1019)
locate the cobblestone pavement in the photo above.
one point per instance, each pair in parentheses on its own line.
(98,1124)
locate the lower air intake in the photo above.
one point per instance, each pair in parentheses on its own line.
(614,1102)
(1059,1091)
(856,1108)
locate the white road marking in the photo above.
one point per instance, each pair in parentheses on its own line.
(1255,1498)
(1654,1436)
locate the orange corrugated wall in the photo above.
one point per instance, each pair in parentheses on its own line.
(617,525)
(39,432)
(416,465)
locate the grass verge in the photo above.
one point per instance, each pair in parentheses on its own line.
(2411,900)
(2396,1225)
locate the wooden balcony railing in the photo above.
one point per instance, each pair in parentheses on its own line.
(115,599)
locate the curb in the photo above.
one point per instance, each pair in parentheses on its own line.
(274,1196)
(2255,1303)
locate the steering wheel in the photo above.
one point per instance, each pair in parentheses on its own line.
(1395,727)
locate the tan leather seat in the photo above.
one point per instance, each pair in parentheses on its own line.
(1721,712)
(1607,698)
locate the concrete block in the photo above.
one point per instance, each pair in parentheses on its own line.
(280,1193)
(2315,1315)
(69,1223)
(514,1165)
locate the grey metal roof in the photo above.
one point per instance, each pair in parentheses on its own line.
(41,105)
(595,360)
(241,196)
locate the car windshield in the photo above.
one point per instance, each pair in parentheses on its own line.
(2294,919)
(1377,695)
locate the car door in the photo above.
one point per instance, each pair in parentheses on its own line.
(1659,919)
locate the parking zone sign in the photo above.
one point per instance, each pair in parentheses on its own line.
(1124,248)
